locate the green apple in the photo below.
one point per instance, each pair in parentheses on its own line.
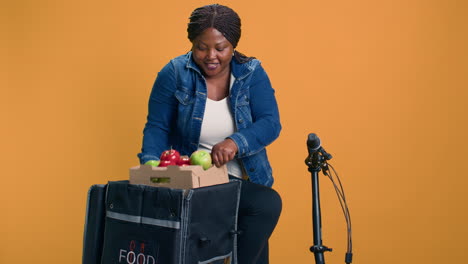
(202,158)
(153,163)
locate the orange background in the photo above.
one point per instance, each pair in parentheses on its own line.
(382,83)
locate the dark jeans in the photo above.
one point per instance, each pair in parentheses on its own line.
(259,211)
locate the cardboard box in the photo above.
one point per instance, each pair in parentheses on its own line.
(179,177)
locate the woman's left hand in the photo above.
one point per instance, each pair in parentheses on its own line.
(223,152)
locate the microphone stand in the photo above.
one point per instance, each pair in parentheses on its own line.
(316,161)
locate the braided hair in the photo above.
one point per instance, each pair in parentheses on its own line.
(223,19)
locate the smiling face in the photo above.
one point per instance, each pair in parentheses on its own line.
(212,52)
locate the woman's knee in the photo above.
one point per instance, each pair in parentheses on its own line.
(263,200)
(275,203)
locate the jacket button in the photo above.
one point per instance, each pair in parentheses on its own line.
(252,169)
(241,121)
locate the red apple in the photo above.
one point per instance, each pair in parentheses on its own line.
(183,161)
(171,155)
(165,163)
(202,158)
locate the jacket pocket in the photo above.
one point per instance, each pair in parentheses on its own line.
(186,101)
(244,112)
(185,96)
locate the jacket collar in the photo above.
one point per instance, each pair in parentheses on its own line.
(239,70)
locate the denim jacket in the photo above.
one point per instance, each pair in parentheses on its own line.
(176,109)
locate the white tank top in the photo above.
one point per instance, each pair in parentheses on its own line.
(217,125)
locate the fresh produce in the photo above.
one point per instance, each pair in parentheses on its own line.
(202,158)
(154,163)
(171,155)
(183,161)
(165,163)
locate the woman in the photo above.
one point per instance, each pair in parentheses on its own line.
(217,99)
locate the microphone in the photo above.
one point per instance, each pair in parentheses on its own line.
(313,143)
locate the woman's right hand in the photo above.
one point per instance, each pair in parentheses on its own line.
(223,152)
